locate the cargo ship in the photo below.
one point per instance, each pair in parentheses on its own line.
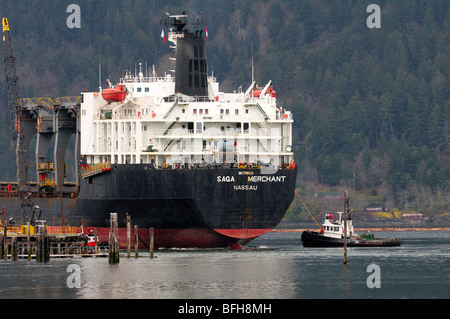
(203,168)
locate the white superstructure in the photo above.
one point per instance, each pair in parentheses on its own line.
(334,228)
(156,125)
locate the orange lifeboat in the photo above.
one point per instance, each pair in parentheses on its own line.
(114,94)
(270,91)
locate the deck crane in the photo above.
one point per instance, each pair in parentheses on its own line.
(44,118)
(16,111)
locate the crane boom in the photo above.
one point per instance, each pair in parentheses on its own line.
(14,107)
(10,68)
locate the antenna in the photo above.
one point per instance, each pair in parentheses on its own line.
(153,72)
(253,68)
(100,77)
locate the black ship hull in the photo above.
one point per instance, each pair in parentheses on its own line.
(315,239)
(202,207)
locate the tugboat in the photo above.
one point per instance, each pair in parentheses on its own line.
(332,235)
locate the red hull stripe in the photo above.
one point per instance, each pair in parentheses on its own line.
(242,233)
(182,238)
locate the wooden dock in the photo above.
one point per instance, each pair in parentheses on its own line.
(42,242)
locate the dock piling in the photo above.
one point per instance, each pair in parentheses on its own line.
(28,240)
(128,236)
(152,235)
(345,226)
(5,246)
(38,244)
(113,240)
(2,246)
(14,248)
(136,242)
(96,241)
(43,249)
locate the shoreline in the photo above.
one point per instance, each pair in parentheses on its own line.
(360,229)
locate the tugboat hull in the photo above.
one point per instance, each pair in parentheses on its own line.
(315,239)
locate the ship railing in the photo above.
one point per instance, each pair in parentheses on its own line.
(8,188)
(35,101)
(57,230)
(188,99)
(285,116)
(216,132)
(146,79)
(178,149)
(93,169)
(62,100)
(48,102)
(52,230)
(237,165)
(152,79)
(46,166)
(11,230)
(47,182)
(108,115)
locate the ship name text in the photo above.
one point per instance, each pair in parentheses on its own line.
(265,179)
(253,179)
(245,187)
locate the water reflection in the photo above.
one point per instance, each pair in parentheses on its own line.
(192,274)
(274,266)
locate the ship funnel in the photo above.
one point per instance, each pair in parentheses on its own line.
(191,75)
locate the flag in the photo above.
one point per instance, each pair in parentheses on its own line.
(162,35)
(206,32)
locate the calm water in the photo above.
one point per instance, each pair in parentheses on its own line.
(275,265)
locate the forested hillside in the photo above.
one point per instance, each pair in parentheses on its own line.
(371,106)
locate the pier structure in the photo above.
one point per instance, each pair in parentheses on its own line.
(42,242)
(50,120)
(52,123)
